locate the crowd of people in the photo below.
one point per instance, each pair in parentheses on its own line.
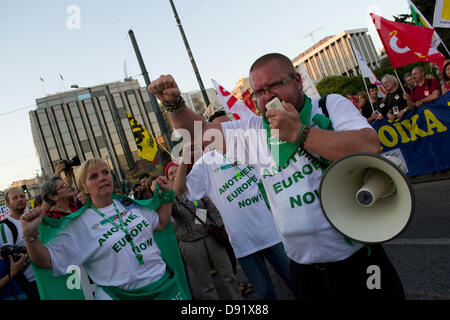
(241,212)
(418,88)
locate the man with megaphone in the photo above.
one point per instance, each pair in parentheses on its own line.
(291,146)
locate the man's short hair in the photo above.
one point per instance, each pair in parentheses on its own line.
(217,114)
(373,86)
(390,77)
(144,175)
(282,59)
(419,68)
(408,74)
(8,191)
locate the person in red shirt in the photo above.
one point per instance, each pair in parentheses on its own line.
(425,90)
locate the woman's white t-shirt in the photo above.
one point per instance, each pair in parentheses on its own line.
(102,249)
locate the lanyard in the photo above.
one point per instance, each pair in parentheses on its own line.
(122,227)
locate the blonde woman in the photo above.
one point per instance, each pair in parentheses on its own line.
(112,237)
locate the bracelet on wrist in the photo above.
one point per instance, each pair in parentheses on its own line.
(299,134)
(304,136)
(32,238)
(174,108)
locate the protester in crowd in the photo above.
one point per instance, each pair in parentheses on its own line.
(446,78)
(249,222)
(9,269)
(139,192)
(12,235)
(151,184)
(409,82)
(366,108)
(198,248)
(143,179)
(395,104)
(113,262)
(424,91)
(60,196)
(376,101)
(323,264)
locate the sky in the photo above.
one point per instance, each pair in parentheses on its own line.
(87,42)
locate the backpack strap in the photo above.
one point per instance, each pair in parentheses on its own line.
(323,106)
(11,227)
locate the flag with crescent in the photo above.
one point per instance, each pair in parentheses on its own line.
(404,43)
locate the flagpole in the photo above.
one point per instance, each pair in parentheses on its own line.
(368,94)
(399,81)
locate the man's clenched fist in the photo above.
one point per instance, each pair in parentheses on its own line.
(165,89)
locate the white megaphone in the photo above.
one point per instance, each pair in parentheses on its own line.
(367,197)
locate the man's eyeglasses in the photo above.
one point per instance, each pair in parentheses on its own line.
(258,94)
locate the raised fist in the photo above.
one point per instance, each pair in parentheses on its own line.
(165,89)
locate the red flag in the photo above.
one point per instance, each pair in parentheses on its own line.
(249,101)
(404,43)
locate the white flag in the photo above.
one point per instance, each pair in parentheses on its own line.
(367,73)
(232,104)
(441,17)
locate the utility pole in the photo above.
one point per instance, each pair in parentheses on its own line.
(157,110)
(191,57)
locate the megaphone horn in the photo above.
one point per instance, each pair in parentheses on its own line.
(367,197)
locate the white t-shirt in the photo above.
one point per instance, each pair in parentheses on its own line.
(102,249)
(293,192)
(29,274)
(235,192)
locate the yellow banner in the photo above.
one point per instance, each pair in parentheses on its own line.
(145,142)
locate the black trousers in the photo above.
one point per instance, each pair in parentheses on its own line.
(360,276)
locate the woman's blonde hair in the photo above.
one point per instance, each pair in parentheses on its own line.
(83,170)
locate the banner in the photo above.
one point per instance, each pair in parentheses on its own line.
(308,84)
(367,73)
(4,212)
(145,142)
(441,17)
(231,103)
(404,43)
(421,136)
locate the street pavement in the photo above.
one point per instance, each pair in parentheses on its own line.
(421,254)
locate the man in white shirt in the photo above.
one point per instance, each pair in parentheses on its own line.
(324,265)
(11,234)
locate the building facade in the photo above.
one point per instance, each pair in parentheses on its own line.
(92,123)
(334,55)
(194,100)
